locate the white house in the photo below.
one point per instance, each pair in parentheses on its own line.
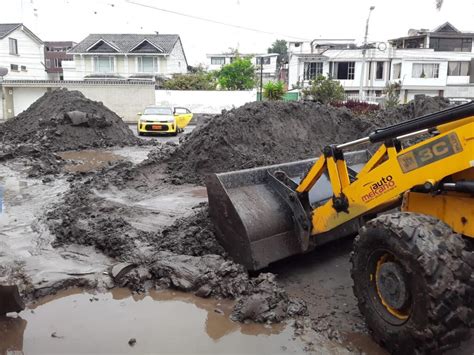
(443,68)
(126,56)
(267,63)
(21,52)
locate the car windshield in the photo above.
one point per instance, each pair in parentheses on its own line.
(158,111)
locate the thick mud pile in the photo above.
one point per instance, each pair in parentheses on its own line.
(64,120)
(185,256)
(263,133)
(260,134)
(421,105)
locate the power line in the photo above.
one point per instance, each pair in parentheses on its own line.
(214,21)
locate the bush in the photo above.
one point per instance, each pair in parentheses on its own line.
(274,90)
(324,90)
(199,80)
(357,107)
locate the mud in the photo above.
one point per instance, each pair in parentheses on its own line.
(421,105)
(66,120)
(264,133)
(58,121)
(27,257)
(261,133)
(184,256)
(146,216)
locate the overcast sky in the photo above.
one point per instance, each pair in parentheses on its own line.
(289,19)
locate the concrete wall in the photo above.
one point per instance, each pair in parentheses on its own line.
(461,91)
(24,97)
(204,101)
(124,99)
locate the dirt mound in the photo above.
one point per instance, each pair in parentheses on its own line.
(263,133)
(421,105)
(65,120)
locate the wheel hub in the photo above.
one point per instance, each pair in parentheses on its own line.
(392,286)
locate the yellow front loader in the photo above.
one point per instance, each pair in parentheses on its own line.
(411,205)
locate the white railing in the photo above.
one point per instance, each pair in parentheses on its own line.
(61,83)
(371,99)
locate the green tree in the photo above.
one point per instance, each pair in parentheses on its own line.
(238,75)
(324,90)
(274,90)
(280,47)
(392,94)
(198,80)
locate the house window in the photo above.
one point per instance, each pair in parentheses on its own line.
(397,70)
(312,70)
(459,68)
(58,63)
(103,64)
(147,65)
(217,60)
(425,70)
(48,63)
(344,70)
(13,67)
(379,71)
(23,68)
(263,60)
(451,44)
(13,46)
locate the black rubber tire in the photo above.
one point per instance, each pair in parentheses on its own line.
(439,269)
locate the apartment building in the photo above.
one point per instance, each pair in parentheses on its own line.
(438,62)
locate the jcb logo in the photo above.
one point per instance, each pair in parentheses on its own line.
(430,152)
(439,149)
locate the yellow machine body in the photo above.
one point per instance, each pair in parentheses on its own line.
(389,173)
(265,214)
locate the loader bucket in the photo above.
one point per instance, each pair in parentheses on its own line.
(254,224)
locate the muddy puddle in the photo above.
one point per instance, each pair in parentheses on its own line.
(89,160)
(74,321)
(25,240)
(157,208)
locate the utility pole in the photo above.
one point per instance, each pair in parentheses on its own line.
(364,52)
(261,79)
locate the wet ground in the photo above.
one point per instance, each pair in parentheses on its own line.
(175,322)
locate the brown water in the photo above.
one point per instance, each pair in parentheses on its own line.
(89,160)
(161,322)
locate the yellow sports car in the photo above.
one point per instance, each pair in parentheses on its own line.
(163,119)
